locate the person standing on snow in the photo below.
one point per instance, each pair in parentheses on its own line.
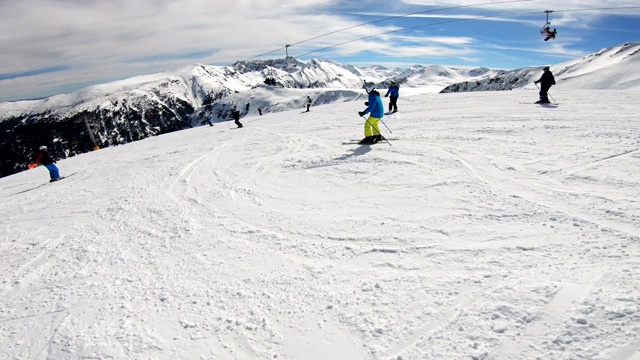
(393,93)
(235,114)
(309,101)
(47,161)
(376,108)
(546,80)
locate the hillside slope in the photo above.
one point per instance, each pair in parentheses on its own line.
(614,68)
(509,231)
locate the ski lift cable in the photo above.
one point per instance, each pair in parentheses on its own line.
(408,28)
(407,15)
(592,9)
(460,20)
(267,53)
(427,25)
(384,19)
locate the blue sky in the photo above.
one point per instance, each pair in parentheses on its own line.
(55,46)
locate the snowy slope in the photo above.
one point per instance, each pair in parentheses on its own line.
(509,231)
(611,68)
(614,68)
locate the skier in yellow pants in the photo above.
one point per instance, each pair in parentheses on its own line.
(371,129)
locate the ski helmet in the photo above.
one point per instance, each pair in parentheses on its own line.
(43,147)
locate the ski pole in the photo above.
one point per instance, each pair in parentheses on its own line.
(554,100)
(370,124)
(385,125)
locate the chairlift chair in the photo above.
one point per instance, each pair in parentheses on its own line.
(270,79)
(546,29)
(289,61)
(547,24)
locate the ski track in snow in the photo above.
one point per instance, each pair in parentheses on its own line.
(485,232)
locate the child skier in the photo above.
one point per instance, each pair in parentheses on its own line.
(47,161)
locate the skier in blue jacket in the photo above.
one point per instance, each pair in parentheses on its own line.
(371,129)
(393,93)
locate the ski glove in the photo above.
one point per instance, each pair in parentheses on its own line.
(361,113)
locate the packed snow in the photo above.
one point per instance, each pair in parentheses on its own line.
(489,228)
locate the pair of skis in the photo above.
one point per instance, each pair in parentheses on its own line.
(61,177)
(358,142)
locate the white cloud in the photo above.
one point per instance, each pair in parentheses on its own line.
(101,40)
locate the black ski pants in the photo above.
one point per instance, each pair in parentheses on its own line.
(393,103)
(544,89)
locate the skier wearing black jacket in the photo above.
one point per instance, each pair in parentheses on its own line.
(546,80)
(235,114)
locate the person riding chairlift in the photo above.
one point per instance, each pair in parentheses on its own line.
(549,34)
(546,30)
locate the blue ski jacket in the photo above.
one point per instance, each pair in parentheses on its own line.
(375,105)
(394,90)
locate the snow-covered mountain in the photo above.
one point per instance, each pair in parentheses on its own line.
(202,85)
(614,68)
(124,111)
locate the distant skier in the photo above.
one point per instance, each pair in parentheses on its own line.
(235,114)
(546,80)
(260,111)
(247,109)
(309,102)
(210,122)
(47,161)
(376,108)
(393,93)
